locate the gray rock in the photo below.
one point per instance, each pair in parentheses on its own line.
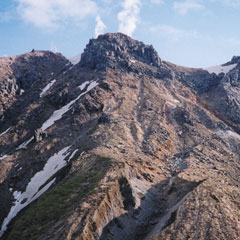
(39,135)
(111,49)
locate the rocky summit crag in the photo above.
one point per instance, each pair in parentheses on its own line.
(119,146)
(114,50)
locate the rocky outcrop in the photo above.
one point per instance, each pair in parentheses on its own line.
(234,60)
(39,135)
(36,65)
(18,74)
(112,50)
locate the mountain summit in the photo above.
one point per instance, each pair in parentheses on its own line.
(121,145)
(114,49)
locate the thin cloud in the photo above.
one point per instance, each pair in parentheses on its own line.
(231,3)
(100,26)
(157,1)
(53,13)
(107,1)
(184,7)
(173,33)
(53,47)
(129,16)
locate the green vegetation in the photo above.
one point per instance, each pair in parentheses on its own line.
(59,202)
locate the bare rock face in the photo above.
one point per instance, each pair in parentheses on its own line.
(111,50)
(18,74)
(235,59)
(120,146)
(219,92)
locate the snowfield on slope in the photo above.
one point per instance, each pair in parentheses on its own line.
(6,131)
(33,189)
(45,89)
(4,156)
(23,145)
(220,69)
(59,113)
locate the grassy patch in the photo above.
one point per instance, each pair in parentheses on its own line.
(59,202)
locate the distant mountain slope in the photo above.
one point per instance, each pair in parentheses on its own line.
(121,145)
(76,59)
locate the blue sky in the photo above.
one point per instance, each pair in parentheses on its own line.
(194,33)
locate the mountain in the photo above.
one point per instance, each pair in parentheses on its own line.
(120,146)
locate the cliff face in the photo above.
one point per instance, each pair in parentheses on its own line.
(114,50)
(121,145)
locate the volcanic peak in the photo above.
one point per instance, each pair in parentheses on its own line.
(116,48)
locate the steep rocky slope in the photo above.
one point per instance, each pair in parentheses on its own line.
(19,73)
(121,145)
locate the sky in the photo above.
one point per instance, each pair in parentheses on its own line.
(192,33)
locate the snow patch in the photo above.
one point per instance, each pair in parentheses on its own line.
(33,189)
(22,91)
(59,113)
(6,131)
(132,61)
(220,69)
(47,87)
(4,156)
(23,145)
(72,155)
(82,153)
(92,85)
(20,203)
(82,86)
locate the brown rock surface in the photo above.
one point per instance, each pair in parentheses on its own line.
(153,156)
